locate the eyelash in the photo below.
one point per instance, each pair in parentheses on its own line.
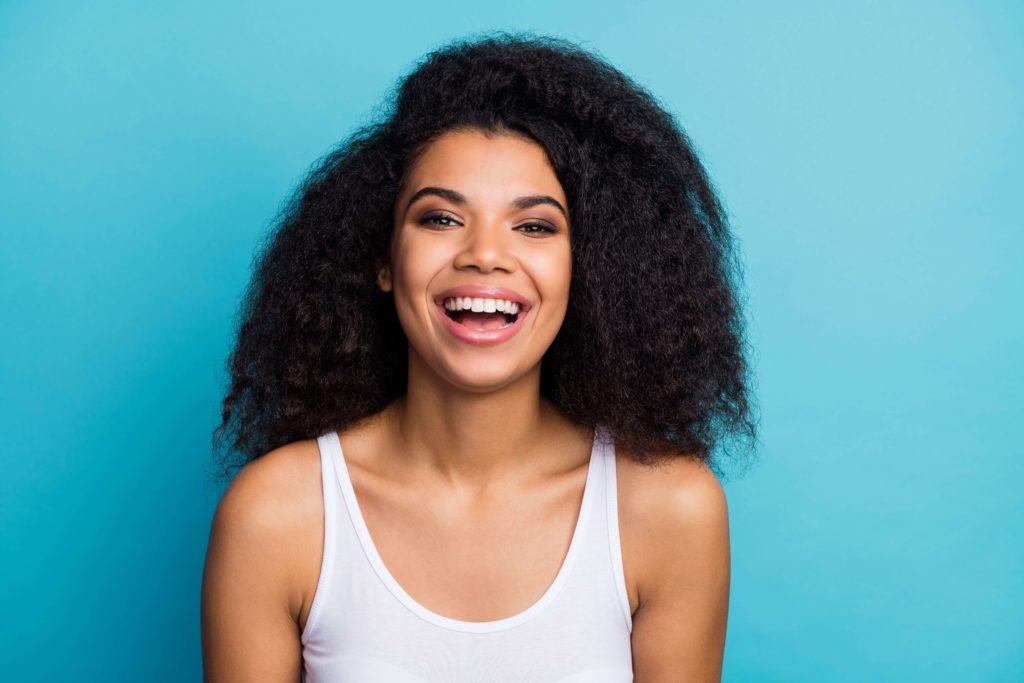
(544,227)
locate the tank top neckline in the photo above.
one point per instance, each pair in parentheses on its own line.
(375,560)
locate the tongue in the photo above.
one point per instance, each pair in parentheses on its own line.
(482,321)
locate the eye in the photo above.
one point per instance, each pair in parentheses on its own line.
(437,219)
(447,220)
(542,228)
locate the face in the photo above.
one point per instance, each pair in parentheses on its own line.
(481,224)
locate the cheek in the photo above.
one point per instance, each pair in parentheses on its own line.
(554,275)
(412,262)
(414,266)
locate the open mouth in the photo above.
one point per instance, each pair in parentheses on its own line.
(483,321)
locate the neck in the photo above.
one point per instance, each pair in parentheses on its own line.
(472,439)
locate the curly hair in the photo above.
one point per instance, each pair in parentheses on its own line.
(652,344)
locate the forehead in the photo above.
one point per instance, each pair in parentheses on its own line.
(485,166)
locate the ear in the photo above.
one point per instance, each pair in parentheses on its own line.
(384,278)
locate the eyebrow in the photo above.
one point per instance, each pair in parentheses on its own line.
(524,202)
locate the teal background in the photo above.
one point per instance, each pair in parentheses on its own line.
(869,155)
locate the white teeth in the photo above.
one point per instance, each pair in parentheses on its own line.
(480,305)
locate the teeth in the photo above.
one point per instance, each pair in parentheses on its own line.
(479,305)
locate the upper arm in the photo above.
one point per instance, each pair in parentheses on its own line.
(679,628)
(249,631)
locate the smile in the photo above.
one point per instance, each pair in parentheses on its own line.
(481,327)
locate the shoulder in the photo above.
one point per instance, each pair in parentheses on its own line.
(253,588)
(670,513)
(676,539)
(679,494)
(273,490)
(270,514)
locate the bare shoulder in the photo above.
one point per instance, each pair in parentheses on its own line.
(661,503)
(278,499)
(282,472)
(263,540)
(675,544)
(677,493)
(274,494)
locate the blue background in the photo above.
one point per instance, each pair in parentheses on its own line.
(869,155)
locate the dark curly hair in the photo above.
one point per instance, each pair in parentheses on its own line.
(652,344)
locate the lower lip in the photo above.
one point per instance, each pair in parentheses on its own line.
(481,337)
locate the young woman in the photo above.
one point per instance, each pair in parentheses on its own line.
(479,376)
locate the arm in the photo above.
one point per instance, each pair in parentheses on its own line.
(249,629)
(679,627)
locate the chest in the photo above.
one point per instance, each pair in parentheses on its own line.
(479,561)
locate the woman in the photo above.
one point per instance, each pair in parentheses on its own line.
(479,375)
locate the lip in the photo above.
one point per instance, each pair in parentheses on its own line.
(482,337)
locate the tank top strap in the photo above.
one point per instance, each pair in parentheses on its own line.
(611,500)
(328,447)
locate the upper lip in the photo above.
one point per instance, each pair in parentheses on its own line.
(484,292)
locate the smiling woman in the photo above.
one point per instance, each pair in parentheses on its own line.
(480,375)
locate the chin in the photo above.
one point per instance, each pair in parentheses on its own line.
(483,376)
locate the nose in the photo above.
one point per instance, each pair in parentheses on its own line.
(485,247)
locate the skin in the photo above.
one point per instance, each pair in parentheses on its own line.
(433,481)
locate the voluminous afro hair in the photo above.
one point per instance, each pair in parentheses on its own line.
(652,343)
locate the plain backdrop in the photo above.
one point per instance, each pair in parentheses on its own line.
(869,155)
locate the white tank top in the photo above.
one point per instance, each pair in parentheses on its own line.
(364,627)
